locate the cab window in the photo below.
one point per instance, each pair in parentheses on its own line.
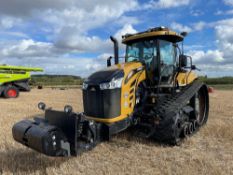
(167,53)
(167,60)
(142,51)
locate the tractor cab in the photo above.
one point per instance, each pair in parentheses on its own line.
(157,50)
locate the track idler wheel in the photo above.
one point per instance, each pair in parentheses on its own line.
(195,125)
(190,128)
(202,105)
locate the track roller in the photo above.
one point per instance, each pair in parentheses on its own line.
(185,131)
(190,128)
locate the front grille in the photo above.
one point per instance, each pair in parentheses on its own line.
(102,103)
(93,101)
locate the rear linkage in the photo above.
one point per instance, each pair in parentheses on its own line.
(62,133)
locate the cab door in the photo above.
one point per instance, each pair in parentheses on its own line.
(167,54)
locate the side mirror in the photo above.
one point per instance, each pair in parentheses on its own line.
(183,60)
(109,62)
(193,67)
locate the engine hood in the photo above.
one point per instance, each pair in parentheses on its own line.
(115,71)
(104,75)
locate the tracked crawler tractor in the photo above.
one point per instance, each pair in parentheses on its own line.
(14,79)
(155,92)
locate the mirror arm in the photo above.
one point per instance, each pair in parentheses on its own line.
(109,61)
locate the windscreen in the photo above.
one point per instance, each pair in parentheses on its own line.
(142,51)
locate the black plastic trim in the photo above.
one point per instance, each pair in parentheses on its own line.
(104,104)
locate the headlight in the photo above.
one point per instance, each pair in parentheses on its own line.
(85,86)
(113,84)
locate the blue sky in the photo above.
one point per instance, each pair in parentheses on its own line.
(72,37)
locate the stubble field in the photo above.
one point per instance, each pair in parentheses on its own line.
(210,151)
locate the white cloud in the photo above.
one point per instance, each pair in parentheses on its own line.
(216,70)
(130,20)
(229,12)
(194,47)
(69,27)
(25,7)
(70,42)
(208,57)
(225,42)
(69,22)
(220,12)
(26,48)
(185,28)
(54,57)
(180,28)
(8,22)
(84,19)
(196,13)
(211,63)
(165,4)
(225,22)
(221,59)
(60,65)
(224,36)
(228,2)
(77,43)
(127,29)
(199,26)
(14,34)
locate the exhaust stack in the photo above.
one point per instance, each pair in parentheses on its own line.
(116,49)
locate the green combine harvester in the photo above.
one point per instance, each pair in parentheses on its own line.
(14,79)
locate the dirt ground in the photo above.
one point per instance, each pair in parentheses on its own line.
(210,151)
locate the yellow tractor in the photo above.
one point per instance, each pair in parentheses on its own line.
(155,92)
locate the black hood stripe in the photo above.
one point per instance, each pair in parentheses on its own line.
(104,76)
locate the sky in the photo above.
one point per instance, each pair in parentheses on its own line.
(72,36)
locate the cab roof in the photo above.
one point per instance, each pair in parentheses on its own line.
(158,32)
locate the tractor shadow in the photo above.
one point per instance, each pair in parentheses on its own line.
(25,161)
(127,137)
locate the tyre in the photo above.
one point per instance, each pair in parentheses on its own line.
(11,92)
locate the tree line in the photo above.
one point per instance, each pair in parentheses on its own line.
(218,81)
(77,80)
(48,80)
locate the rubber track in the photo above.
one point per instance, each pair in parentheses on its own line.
(168,112)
